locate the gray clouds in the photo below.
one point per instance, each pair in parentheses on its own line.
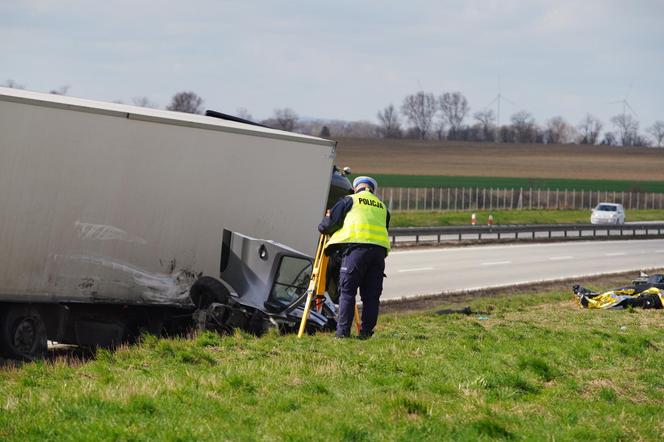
(343,59)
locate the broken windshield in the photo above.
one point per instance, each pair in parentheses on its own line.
(292,279)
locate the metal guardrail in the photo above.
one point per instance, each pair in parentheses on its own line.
(525,232)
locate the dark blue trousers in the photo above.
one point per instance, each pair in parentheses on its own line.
(363,267)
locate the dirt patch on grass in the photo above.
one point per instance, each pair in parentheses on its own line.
(610,390)
(596,384)
(457,158)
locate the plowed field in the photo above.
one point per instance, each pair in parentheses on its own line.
(414,157)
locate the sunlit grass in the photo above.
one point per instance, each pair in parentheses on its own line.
(535,367)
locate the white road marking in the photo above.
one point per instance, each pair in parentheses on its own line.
(496,263)
(420,269)
(615,254)
(560,258)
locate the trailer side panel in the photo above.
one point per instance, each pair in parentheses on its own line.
(96,207)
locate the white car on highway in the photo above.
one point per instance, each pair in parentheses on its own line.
(608,213)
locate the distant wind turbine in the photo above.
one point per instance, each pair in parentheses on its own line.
(625,103)
(498,100)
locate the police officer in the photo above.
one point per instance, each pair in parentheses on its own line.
(358,224)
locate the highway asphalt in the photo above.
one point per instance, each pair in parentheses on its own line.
(425,271)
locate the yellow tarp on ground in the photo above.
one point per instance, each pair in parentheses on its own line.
(614,298)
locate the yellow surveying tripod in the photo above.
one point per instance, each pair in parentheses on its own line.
(317,285)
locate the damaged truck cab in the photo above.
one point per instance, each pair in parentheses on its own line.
(262,284)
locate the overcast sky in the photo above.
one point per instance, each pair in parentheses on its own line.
(344,59)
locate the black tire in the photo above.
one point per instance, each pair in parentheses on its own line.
(22,333)
(207,290)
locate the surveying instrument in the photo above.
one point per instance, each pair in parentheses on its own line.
(317,284)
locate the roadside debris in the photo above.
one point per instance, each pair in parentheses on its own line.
(463,311)
(645,292)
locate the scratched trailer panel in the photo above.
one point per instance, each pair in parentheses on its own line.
(110,203)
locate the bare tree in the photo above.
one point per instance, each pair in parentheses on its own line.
(641,141)
(657,131)
(609,139)
(439,129)
(486,119)
(474,133)
(559,132)
(12,84)
(144,102)
(389,120)
(628,129)
(590,128)
(307,127)
(454,108)
(62,90)
(506,134)
(187,102)
(361,129)
(525,129)
(285,119)
(420,109)
(243,113)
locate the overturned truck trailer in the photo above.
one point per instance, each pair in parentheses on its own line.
(112,219)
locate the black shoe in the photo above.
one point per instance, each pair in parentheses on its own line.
(363,335)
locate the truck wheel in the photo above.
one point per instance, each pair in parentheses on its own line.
(22,333)
(207,290)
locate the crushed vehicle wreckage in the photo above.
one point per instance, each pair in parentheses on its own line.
(646,292)
(262,285)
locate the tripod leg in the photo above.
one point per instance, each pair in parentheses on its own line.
(305,314)
(357,319)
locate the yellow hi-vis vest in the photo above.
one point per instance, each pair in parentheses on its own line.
(364,222)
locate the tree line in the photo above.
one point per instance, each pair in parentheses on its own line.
(448,116)
(423,115)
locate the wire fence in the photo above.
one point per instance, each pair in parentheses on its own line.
(476,198)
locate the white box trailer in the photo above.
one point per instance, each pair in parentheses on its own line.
(115,205)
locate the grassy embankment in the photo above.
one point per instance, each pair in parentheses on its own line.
(434,219)
(537,367)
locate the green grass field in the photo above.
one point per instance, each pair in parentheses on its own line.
(516,183)
(536,367)
(434,219)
